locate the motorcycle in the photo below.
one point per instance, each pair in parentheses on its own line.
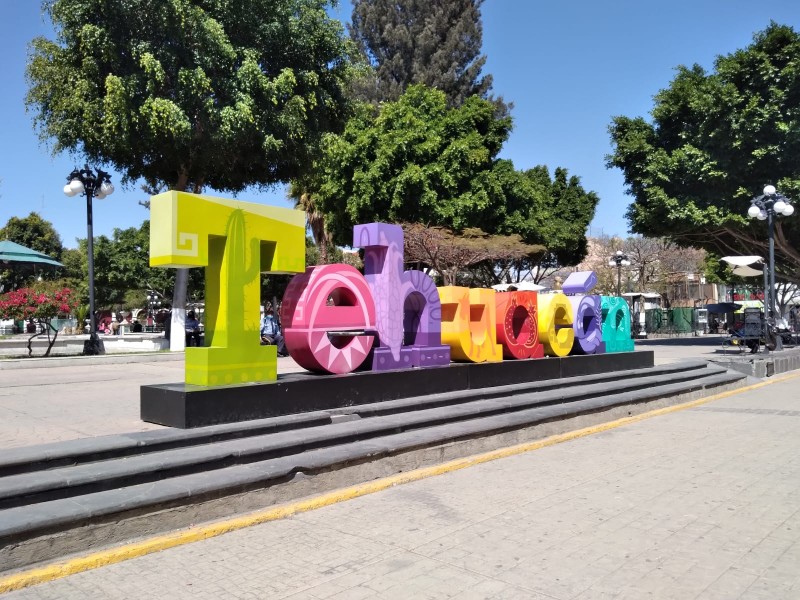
(774,328)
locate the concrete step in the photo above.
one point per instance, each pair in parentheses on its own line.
(92,450)
(75,495)
(365,422)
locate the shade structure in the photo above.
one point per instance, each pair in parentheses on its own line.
(522,286)
(13,254)
(745,266)
(742,260)
(723,307)
(646,295)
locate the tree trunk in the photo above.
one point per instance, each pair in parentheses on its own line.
(48,326)
(177,338)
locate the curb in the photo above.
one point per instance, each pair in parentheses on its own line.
(39,362)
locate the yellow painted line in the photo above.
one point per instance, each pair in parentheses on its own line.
(163,542)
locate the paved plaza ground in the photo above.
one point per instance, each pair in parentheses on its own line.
(700,503)
(46,402)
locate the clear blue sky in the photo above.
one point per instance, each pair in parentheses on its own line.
(568,67)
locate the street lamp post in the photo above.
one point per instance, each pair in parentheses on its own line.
(769,206)
(153,304)
(619,260)
(98,186)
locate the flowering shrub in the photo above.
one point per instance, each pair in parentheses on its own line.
(38,304)
(29,303)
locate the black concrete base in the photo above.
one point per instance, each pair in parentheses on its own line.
(94,346)
(187,406)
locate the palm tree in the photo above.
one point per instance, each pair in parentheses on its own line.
(304,200)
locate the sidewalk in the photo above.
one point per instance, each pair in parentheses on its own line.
(706,347)
(16,346)
(697,504)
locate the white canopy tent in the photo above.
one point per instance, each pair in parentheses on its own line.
(645,295)
(741,265)
(522,286)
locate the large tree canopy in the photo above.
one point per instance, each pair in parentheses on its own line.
(714,142)
(418,161)
(434,42)
(414,160)
(470,259)
(190,93)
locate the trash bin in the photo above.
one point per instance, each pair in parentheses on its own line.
(652,319)
(682,319)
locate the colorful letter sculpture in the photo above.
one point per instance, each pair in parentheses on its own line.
(235,241)
(334,319)
(329,300)
(579,282)
(586,310)
(555,324)
(517,329)
(468,324)
(407,306)
(588,325)
(616,324)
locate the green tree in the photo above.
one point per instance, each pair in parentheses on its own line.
(714,141)
(435,43)
(35,233)
(552,212)
(76,270)
(191,94)
(418,161)
(414,160)
(122,270)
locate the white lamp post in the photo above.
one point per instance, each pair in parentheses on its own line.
(98,186)
(619,260)
(767,207)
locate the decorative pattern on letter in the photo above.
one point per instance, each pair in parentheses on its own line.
(588,325)
(407,306)
(235,241)
(616,324)
(187,244)
(517,329)
(308,317)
